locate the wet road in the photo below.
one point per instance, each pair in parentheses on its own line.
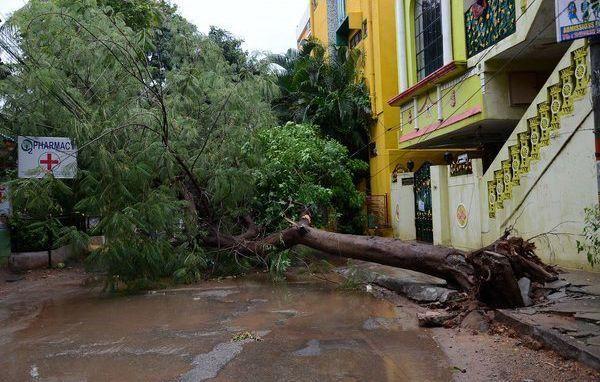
(305,331)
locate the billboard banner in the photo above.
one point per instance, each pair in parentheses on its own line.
(39,156)
(577,19)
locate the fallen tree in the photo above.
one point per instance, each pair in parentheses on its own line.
(490,274)
(182,132)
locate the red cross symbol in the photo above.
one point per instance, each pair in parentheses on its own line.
(49,162)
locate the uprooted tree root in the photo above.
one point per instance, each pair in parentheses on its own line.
(500,266)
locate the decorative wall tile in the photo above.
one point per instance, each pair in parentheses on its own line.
(555,95)
(499,176)
(581,72)
(507,178)
(489,23)
(544,117)
(515,154)
(525,151)
(492,198)
(567,89)
(533,125)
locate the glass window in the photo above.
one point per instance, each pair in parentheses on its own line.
(341,10)
(428,31)
(355,39)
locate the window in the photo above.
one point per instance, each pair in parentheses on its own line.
(341,11)
(364,28)
(428,31)
(355,39)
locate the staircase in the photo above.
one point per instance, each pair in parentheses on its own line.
(558,111)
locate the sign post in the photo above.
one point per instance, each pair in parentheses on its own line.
(40,156)
(5,211)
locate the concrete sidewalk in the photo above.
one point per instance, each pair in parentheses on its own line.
(568,322)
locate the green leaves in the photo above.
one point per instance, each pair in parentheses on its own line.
(327,89)
(590,244)
(301,169)
(156,108)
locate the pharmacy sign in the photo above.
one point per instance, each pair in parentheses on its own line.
(40,156)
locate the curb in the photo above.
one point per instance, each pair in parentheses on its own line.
(560,343)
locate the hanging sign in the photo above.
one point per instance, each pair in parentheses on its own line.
(577,19)
(39,156)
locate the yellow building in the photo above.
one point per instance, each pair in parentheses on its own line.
(371,26)
(483,123)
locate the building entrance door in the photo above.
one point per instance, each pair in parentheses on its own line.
(423,219)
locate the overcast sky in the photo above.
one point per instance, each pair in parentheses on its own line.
(263,24)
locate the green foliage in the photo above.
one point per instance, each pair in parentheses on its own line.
(326,88)
(278,264)
(4,71)
(44,215)
(590,244)
(232,50)
(83,73)
(154,107)
(138,14)
(353,279)
(301,169)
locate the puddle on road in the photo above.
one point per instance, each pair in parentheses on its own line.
(307,332)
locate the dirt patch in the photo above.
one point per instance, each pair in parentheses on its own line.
(501,355)
(23,295)
(45,282)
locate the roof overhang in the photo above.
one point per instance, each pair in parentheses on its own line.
(443,74)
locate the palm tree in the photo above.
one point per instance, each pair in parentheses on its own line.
(325,87)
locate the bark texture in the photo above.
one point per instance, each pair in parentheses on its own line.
(490,274)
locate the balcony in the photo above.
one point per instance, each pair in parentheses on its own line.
(497,32)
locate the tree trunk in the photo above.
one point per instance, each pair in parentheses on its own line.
(490,274)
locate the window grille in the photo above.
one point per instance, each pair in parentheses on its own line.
(428,34)
(355,39)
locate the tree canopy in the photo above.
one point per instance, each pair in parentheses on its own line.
(173,139)
(326,87)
